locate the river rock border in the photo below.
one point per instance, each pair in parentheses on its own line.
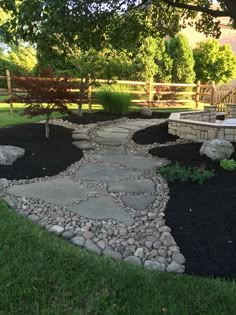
(146,242)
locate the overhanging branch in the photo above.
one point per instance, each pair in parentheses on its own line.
(198,8)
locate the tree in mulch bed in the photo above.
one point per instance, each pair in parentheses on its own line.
(46,95)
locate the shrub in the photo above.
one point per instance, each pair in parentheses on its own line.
(114,100)
(181,173)
(229,165)
(46,95)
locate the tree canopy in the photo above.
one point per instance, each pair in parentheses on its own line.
(214,62)
(89,23)
(183,62)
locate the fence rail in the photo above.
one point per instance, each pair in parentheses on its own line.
(148,93)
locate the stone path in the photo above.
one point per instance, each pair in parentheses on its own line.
(110,202)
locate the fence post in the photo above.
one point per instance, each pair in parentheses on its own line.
(149,92)
(212,92)
(89,94)
(9,89)
(198,91)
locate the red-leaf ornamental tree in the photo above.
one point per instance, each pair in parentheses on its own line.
(47,95)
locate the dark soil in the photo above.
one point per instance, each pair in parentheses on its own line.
(43,157)
(202,217)
(153,134)
(94,117)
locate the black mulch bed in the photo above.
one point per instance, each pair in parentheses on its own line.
(94,117)
(203,217)
(153,134)
(43,157)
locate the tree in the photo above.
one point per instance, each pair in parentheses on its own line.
(183,62)
(23,57)
(45,96)
(214,62)
(151,61)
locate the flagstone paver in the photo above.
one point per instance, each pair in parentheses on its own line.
(111,150)
(132,186)
(130,161)
(114,135)
(112,141)
(83,145)
(139,202)
(61,191)
(99,172)
(101,208)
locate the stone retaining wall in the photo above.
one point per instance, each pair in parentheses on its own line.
(200,126)
(230,111)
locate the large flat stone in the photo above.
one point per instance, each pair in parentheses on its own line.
(83,145)
(132,161)
(111,141)
(60,192)
(116,130)
(98,172)
(112,150)
(80,136)
(102,208)
(127,126)
(109,135)
(132,186)
(138,202)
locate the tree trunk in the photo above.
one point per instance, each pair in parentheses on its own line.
(80,103)
(80,111)
(47,129)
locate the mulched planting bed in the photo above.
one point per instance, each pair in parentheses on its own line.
(153,134)
(94,117)
(43,157)
(202,217)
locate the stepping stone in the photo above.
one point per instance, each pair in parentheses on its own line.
(132,186)
(83,145)
(138,124)
(112,150)
(115,130)
(98,172)
(80,136)
(130,160)
(109,135)
(80,131)
(138,202)
(126,126)
(61,192)
(111,141)
(102,208)
(155,121)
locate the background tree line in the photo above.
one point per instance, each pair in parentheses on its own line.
(163,60)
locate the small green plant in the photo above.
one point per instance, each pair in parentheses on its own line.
(201,175)
(229,165)
(181,173)
(114,100)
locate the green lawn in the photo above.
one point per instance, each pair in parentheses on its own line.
(43,274)
(7,118)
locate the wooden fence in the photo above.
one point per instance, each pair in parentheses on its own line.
(144,93)
(224,95)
